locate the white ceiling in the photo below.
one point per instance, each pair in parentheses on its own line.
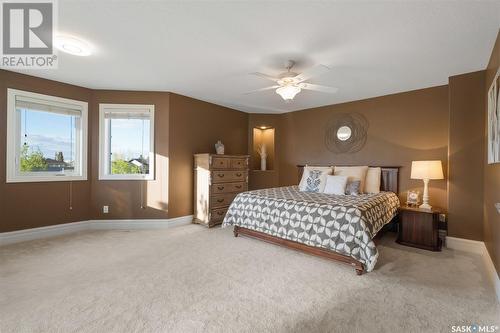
(205,49)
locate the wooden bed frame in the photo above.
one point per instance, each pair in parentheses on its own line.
(389,182)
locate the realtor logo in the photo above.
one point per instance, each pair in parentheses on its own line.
(27,34)
(27,28)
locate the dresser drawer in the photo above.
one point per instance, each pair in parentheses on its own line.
(218,214)
(222,200)
(221,163)
(229,188)
(239,163)
(229,176)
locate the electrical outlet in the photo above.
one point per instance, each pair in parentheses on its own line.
(105,209)
(497,205)
(442,217)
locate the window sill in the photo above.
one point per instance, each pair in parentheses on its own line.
(45,179)
(127,177)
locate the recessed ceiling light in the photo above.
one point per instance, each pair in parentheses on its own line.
(73,45)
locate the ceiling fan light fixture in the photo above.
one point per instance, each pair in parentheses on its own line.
(289,84)
(288,92)
(288,80)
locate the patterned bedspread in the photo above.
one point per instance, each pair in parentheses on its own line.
(345,224)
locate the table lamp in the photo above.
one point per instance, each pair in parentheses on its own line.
(426,170)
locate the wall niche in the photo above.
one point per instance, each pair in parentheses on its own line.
(263,142)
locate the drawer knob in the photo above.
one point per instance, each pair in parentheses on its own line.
(220,213)
(221,175)
(238,186)
(220,200)
(220,188)
(239,175)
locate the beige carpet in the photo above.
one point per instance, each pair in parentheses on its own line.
(191,279)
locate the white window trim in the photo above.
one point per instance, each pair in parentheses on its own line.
(103,175)
(13,176)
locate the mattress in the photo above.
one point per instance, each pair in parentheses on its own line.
(345,224)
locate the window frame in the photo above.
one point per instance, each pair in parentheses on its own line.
(13,175)
(103,141)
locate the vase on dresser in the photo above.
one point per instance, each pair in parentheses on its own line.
(219,148)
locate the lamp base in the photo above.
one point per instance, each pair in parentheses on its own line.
(425,206)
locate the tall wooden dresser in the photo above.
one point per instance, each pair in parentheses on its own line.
(217,181)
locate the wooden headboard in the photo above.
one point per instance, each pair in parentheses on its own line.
(388,182)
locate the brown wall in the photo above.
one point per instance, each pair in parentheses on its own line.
(183,126)
(31,205)
(466,151)
(492,176)
(402,127)
(124,196)
(195,128)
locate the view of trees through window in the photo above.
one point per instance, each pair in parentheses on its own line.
(47,141)
(130,145)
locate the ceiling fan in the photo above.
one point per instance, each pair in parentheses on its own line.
(290,84)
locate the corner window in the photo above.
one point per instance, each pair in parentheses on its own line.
(126,142)
(46,138)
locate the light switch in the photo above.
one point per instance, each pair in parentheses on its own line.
(105,209)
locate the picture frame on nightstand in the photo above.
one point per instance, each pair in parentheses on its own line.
(412,198)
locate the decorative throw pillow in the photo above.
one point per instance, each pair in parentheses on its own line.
(314,178)
(372,181)
(335,185)
(353,187)
(353,173)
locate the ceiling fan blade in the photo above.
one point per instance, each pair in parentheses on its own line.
(312,72)
(317,87)
(265,76)
(262,89)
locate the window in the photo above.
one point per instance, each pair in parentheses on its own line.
(46,138)
(126,141)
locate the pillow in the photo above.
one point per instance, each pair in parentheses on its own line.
(335,185)
(353,187)
(372,181)
(353,173)
(314,178)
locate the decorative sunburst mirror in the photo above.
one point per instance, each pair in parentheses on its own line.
(346,133)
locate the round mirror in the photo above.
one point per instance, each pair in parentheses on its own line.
(344,133)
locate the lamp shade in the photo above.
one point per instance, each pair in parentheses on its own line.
(426,170)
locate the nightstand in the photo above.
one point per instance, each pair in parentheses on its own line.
(419,228)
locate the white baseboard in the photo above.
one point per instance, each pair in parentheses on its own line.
(478,247)
(492,272)
(140,224)
(463,244)
(42,232)
(66,228)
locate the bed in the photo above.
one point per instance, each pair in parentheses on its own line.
(338,227)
